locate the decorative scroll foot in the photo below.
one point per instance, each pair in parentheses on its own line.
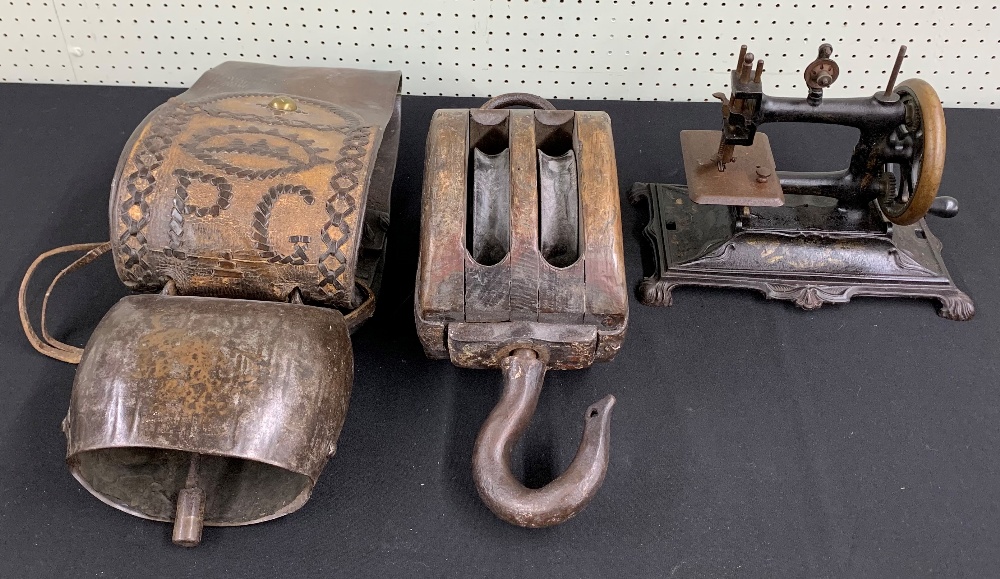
(957,306)
(656,292)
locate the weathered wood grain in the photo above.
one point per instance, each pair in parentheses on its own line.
(571,315)
(524,252)
(441,277)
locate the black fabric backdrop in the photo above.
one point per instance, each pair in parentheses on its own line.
(750,438)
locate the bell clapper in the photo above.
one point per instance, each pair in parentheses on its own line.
(190,516)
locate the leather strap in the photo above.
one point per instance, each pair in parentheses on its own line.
(358,315)
(46,344)
(53,348)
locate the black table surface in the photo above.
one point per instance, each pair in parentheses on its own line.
(750,438)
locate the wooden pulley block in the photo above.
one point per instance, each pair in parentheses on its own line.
(262,183)
(521,269)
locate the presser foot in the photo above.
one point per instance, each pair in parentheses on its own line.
(809,252)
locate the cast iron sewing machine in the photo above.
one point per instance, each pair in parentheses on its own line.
(813,237)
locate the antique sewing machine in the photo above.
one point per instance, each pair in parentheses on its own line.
(521,269)
(251,210)
(808,237)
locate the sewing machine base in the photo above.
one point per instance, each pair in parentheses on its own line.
(809,251)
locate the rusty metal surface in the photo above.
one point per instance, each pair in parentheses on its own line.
(564,497)
(513,99)
(259,180)
(740,183)
(258,390)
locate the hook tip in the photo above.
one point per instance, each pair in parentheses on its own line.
(601,407)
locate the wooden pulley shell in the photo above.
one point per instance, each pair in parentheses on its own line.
(258,390)
(573,311)
(522,270)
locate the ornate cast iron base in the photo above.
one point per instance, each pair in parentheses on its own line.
(809,251)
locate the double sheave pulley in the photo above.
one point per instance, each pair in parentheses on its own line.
(521,269)
(250,213)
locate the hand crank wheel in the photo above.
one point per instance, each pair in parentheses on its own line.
(920,175)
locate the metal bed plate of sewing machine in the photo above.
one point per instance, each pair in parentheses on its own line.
(749,181)
(812,255)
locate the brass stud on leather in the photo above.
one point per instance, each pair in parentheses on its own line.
(283,104)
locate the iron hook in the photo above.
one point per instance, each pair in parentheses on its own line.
(564,497)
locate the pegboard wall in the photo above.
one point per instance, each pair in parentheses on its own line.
(582,49)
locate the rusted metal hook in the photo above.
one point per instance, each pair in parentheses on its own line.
(562,498)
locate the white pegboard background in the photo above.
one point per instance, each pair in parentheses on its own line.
(582,49)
